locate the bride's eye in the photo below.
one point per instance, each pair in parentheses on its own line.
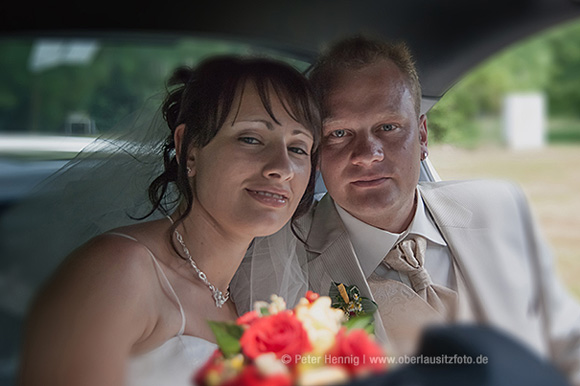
(249,140)
(298,150)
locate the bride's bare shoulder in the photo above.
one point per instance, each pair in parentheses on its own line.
(126,245)
(117,262)
(97,306)
(150,233)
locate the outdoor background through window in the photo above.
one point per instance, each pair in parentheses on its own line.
(517,117)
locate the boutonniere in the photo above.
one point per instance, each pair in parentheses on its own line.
(349,299)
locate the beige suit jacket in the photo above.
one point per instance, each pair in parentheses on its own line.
(507,267)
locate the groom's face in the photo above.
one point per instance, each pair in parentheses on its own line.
(372,145)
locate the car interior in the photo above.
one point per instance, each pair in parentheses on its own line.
(447,37)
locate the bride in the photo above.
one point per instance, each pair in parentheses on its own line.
(130,306)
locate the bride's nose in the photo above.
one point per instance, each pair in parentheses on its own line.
(278,164)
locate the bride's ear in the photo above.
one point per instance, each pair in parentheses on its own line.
(178,137)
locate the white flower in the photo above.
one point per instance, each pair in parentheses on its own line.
(321,321)
(259,306)
(276,305)
(268,365)
(328,375)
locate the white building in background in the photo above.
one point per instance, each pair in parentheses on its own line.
(80,124)
(524,120)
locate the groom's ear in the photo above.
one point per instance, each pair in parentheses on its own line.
(178,137)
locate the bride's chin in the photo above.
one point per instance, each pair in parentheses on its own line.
(268,226)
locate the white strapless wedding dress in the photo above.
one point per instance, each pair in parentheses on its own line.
(173,364)
(176,361)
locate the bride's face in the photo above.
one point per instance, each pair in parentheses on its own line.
(253,173)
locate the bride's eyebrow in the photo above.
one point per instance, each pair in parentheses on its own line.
(268,124)
(304,132)
(270,127)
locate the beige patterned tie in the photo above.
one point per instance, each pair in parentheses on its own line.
(406,311)
(408,257)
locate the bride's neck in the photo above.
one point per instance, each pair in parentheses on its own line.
(216,251)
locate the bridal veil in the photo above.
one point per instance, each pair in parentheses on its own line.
(104,187)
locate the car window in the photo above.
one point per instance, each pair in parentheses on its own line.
(57,95)
(517,117)
(84,86)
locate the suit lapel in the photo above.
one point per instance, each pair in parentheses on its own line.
(332,257)
(331,254)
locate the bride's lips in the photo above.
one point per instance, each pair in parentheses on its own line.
(270,197)
(369,182)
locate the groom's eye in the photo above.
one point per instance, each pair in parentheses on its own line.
(338,133)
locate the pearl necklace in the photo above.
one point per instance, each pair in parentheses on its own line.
(218,296)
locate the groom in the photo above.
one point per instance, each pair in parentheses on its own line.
(426,253)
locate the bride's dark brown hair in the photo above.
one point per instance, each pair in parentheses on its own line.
(202,97)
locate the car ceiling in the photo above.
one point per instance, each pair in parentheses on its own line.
(448,37)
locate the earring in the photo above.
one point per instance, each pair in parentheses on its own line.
(188,171)
(425,154)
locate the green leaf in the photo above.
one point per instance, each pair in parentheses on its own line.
(228,336)
(370,329)
(336,297)
(368,306)
(360,322)
(333,293)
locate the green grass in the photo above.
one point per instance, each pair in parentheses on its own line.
(550,179)
(489,130)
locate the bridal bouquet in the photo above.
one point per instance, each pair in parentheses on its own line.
(312,344)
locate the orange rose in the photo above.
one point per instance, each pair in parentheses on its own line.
(280,333)
(357,352)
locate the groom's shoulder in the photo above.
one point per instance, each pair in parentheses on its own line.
(305,221)
(480,190)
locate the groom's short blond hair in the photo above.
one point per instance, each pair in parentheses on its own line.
(358,52)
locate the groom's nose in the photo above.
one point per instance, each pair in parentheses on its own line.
(367,149)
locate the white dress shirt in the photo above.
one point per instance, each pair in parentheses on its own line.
(372,244)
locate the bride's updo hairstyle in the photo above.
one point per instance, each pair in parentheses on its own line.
(202,97)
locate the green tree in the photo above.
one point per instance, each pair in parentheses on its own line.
(549,63)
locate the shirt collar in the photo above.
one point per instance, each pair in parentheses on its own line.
(423,224)
(371,244)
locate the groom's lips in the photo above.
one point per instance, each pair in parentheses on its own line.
(369,182)
(271,197)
